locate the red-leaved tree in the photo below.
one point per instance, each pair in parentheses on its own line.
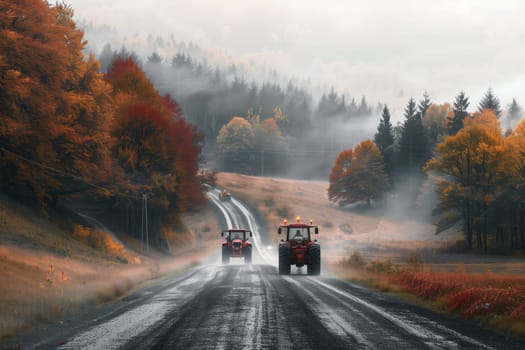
(156,149)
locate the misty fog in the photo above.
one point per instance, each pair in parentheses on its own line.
(387,51)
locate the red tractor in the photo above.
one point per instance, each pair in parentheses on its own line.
(236,245)
(225,196)
(299,249)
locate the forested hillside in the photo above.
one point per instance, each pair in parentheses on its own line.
(70,132)
(476,168)
(212,96)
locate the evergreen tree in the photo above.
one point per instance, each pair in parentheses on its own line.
(455,122)
(363,108)
(424,104)
(154,58)
(413,146)
(384,140)
(106,57)
(330,105)
(514,114)
(490,101)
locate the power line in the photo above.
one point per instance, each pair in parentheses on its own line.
(63,173)
(144,198)
(144,227)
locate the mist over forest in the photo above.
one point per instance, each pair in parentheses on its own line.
(213,87)
(266,124)
(212,90)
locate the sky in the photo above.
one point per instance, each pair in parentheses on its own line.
(386,50)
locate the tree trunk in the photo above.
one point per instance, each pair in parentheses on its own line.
(468,220)
(522,229)
(485,231)
(478,228)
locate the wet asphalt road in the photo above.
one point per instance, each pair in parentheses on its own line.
(241,306)
(253,307)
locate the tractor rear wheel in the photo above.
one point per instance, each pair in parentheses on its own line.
(247,255)
(314,260)
(225,255)
(284,259)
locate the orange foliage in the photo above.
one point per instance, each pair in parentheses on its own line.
(237,135)
(486,119)
(269,128)
(54,106)
(60,119)
(358,175)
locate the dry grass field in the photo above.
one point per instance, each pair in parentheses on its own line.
(48,270)
(395,254)
(341,230)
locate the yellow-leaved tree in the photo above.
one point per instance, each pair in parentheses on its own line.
(235,144)
(470,167)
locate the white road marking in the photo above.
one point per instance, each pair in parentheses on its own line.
(404,323)
(255,230)
(331,319)
(119,330)
(232,222)
(222,208)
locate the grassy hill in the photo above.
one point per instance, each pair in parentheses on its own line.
(52,267)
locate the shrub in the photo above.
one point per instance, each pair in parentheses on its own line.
(471,295)
(415,261)
(355,260)
(207,176)
(327,224)
(269,202)
(380,266)
(283,211)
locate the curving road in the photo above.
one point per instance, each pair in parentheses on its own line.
(252,307)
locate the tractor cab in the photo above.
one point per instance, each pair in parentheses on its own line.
(231,235)
(298,232)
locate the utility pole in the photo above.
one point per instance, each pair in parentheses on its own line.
(262,161)
(144,230)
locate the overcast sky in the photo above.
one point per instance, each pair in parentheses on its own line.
(387,50)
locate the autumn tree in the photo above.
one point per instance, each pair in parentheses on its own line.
(434,121)
(253,144)
(279,117)
(384,139)
(490,101)
(157,150)
(235,144)
(358,175)
(84,113)
(55,110)
(512,202)
(270,144)
(473,164)
(459,113)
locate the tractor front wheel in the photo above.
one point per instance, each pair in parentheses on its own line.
(284,259)
(314,260)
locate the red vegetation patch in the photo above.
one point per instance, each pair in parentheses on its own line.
(471,295)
